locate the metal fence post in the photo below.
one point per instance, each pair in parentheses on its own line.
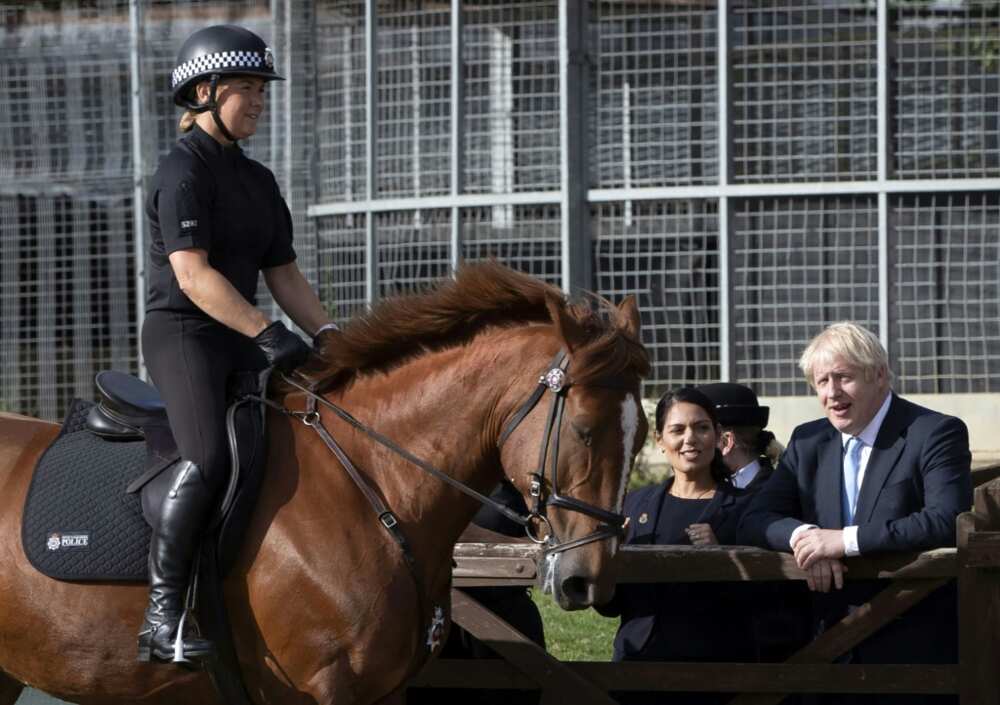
(727,363)
(456,163)
(138,168)
(371,153)
(882,166)
(576,247)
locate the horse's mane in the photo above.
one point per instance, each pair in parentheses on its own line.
(451,313)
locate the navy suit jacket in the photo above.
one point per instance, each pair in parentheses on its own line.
(918,479)
(712,628)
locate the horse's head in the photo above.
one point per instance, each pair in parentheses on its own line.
(569,447)
(586,422)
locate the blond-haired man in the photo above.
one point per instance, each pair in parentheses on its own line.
(878,474)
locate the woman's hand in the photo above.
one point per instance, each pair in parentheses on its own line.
(283,349)
(701,535)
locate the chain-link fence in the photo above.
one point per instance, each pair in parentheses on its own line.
(753,170)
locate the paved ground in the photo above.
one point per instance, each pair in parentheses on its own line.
(33,697)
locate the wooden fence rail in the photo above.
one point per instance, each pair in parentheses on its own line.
(975,563)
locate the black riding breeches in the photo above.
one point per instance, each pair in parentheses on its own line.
(190,359)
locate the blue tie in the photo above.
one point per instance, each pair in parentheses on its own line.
(852,464)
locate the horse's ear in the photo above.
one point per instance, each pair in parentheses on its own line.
(567,327)
(629,319)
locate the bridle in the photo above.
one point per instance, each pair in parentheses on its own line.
(556,381)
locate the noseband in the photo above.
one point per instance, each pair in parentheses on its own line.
(557,382)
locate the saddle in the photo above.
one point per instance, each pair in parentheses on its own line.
(130,410)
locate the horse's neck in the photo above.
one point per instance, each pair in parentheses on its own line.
(446,408)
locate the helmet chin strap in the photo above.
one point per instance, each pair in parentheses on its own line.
(215,110)
(213,106)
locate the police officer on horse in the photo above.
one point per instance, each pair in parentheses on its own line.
(217,221)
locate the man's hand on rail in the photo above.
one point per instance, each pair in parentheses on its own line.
(817,544)
(825,572)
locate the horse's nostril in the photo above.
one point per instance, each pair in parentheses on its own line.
(577,590)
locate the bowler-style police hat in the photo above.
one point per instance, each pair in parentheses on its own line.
(220,50)
(736,404)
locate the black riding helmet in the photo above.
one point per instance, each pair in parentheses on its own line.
(736,404)
(213,52)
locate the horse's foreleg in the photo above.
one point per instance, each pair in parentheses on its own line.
(10,690)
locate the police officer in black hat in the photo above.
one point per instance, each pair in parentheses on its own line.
(217,221)
(748,450)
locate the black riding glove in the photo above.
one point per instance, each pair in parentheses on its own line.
(283,349)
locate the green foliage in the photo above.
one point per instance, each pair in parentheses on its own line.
(988,50)
(583,635)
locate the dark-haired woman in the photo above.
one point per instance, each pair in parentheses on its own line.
(217,221)
(697,506)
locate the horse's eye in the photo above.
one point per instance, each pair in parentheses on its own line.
(584,435)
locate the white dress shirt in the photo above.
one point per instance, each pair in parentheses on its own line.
(867,438)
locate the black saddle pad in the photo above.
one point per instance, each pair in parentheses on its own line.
(79,523)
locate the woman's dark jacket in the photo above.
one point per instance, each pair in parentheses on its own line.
(682,621)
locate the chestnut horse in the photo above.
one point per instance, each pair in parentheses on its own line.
(324,609)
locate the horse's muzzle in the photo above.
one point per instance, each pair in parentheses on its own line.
(577,584)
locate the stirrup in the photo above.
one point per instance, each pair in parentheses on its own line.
(179,640)
(176,653)
(174,650)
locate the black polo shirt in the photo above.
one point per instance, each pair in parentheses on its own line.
(215,198)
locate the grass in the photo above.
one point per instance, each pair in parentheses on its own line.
(583,635)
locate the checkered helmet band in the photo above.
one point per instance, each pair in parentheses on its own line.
(220,50)
(223,61)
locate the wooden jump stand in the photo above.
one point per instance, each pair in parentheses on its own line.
(976,678)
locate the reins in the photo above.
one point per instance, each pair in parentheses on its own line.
(310,417)
(555,380)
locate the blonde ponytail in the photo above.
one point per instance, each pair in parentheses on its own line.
(759,443)
(187,121)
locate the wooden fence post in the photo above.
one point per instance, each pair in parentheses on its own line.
(978,535)
(987,505)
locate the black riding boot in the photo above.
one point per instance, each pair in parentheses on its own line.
(171,552)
